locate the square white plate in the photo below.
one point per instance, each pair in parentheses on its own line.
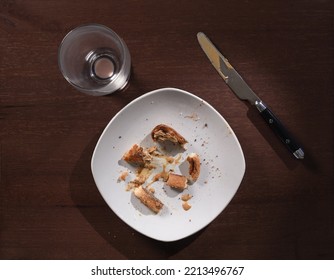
(208,135)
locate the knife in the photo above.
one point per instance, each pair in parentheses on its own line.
(244,92)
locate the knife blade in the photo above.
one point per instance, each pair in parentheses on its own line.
(244,92)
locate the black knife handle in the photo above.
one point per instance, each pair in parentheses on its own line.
(283,134)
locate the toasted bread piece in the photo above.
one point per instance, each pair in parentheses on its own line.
(164,132)
(137,155)
(194,166)
(148,199)
(177,181)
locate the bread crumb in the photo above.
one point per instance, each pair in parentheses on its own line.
(193,117)
(151,189)
(186,197)
(123,176)
(186,206)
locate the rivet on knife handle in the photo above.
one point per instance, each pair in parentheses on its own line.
(283,134)
(244,92)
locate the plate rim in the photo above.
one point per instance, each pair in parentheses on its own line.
(146,95)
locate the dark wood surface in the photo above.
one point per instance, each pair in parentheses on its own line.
(50,207)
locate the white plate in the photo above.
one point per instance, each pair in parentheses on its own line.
(208,134)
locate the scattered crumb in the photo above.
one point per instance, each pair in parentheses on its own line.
(123,176)
(186,206)
(204,143)
(170,159)
(151,189)
(186,197)
(193,116)
(178,159)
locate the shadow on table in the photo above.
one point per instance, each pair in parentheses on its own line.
(284,154)
(129,243)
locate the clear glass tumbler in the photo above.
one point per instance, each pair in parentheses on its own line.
(94,60)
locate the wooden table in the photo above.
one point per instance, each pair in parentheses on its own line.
(50,207)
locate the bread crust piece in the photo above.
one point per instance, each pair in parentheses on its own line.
(177,181)
(137,155)
(148,199)
(194,166)
(164,132)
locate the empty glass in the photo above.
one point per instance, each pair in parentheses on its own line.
(95,60)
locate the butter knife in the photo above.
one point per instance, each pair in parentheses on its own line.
(244,92)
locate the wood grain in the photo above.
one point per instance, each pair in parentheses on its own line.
(50,207)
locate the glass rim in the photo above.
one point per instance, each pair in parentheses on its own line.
(122,43)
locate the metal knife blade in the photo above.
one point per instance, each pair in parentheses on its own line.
(226,70)
(244,92)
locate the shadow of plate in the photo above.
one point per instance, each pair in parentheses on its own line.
(131,244)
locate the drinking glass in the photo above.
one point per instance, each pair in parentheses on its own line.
(94,60)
